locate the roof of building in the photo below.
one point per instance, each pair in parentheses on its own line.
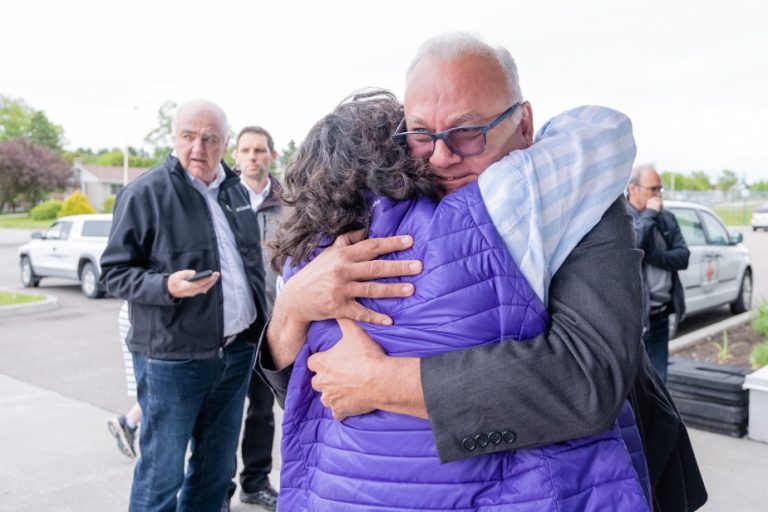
(107,174)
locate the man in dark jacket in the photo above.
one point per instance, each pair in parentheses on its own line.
(658,234)
(190,336)
(254,153)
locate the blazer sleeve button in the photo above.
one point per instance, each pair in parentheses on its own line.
(508,436)
(469,444)
(481,440)
(494,437)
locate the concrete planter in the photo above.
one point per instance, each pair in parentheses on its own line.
(756,384)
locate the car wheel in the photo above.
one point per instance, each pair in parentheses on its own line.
(744,301)
(89,282)
(28,277)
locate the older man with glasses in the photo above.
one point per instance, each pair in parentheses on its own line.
(658,234)
(464,112)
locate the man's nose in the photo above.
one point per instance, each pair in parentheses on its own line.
(443,157)
(198,146)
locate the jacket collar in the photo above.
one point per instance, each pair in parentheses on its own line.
(230,178)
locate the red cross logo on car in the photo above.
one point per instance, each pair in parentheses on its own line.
(710,271)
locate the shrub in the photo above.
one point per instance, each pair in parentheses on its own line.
(760,323)
(109,204)
(76,204)
(47,210)
(759,356)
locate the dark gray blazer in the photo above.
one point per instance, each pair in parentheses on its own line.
(567,383)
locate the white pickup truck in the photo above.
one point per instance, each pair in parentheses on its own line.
(70,248)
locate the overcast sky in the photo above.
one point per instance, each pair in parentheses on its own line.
(692,75)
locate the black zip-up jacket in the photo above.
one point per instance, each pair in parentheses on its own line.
(162,224)
(672,258)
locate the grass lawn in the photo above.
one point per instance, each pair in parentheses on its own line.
(11,298)
(734,214)
(23,220)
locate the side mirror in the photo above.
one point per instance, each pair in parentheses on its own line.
(37,235)
(736,237)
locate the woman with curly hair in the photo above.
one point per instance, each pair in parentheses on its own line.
(351,173)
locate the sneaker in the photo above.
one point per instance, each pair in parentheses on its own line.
(125,436)
(266,497)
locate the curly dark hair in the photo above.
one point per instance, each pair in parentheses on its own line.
(346,153)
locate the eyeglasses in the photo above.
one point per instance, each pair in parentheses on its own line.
(653,190)
(461,141)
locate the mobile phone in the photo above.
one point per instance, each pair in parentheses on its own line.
(200,275)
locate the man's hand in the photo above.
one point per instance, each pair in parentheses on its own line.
(328,286)
(179,287)
(655,203)
(344,374)
(355,377)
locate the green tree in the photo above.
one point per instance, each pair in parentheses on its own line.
(114,157)
(698,180)
(286,154)
(19,120)
(672,180)
(727,180)
(161,137)
(759,186)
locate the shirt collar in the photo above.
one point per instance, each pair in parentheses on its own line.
(260,195)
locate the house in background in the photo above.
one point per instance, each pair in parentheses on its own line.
(98,182)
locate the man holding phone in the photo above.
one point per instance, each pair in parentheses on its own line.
(185,251)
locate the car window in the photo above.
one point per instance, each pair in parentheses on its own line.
(59,231)
(718,235)
(99,228)
(762,210)
(690,226)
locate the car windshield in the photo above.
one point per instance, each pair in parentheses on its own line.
(97,228)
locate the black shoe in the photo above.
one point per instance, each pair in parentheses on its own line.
(266,497)
(126,437)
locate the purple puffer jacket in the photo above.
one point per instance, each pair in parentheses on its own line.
(470,292)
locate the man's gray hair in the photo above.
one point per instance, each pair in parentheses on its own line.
(637,173)
(202,105)
(459,44)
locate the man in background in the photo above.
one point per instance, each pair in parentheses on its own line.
(254,154)
(191,337)
(658,234)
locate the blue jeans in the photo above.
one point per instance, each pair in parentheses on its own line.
(656,340)
(195,403)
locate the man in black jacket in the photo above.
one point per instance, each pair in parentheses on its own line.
(658,234)
(190,337)
(254,153)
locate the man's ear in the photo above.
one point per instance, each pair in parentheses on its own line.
(526,123)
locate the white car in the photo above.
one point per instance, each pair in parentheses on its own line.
(719,270)
(70,248)
(760,218)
